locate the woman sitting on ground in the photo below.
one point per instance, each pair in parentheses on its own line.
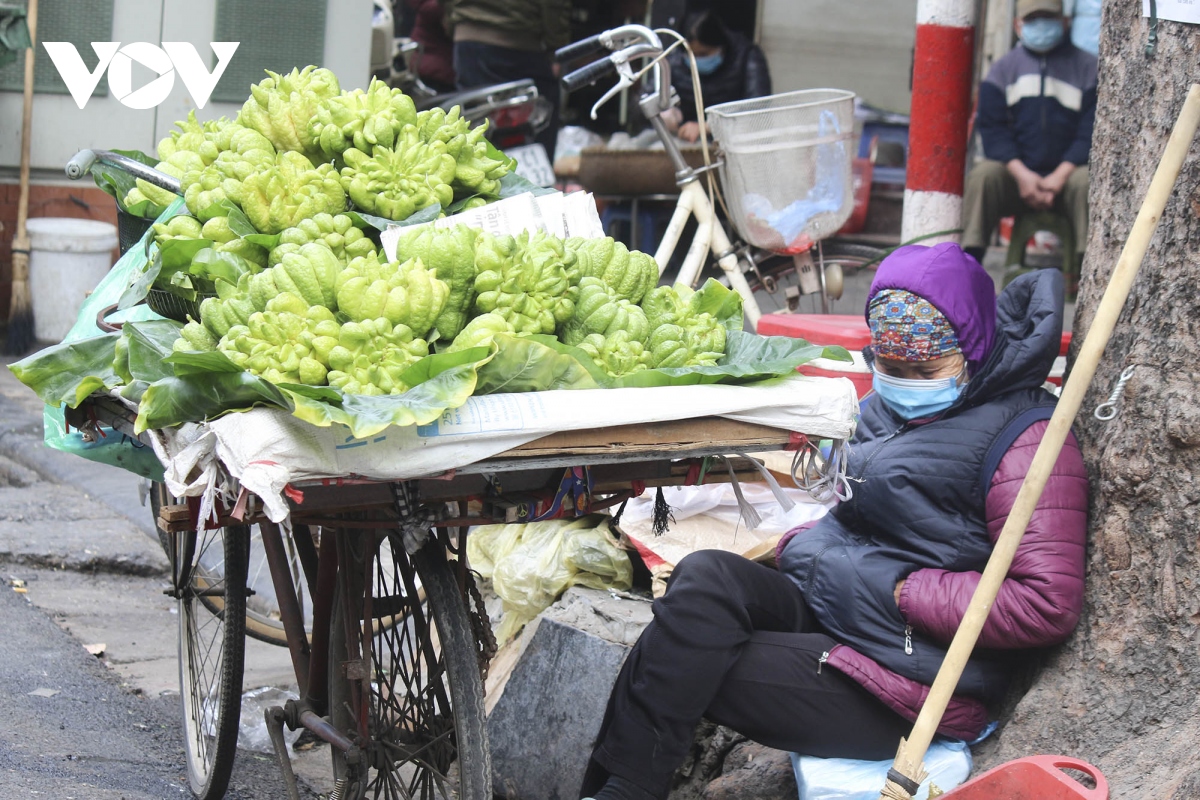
(833,654)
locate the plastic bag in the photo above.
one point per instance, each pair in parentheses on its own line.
(252,725)
(948,762)
(531,564)
(115,449)
(572,139)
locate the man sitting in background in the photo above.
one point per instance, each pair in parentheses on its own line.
(1036,110)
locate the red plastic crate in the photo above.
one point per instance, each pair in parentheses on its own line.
(847,330)
(1033,778)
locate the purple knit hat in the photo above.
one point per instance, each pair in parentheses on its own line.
(956,286)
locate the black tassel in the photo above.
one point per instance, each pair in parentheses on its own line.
(662,514)
(616,520)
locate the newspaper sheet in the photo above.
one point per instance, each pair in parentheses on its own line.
(563,215)
(266,449)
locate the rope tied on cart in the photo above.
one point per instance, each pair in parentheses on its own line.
(416,521)
(576,482)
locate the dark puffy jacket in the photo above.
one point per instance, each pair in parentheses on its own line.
(933,497)
(1039,108)
(520,24)
(743,74)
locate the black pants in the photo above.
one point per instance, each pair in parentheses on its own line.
(735,642)
(477,64)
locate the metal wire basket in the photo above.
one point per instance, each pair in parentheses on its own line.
(172,306)
(786,171)
(130,229)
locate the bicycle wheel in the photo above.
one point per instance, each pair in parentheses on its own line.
(211,654)
(263,621)
(843,262)
(418,713)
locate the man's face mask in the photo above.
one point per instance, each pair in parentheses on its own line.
(1042,34)
(918,398)
(707,65)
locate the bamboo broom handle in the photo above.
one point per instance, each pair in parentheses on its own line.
(22,240)
(912,750)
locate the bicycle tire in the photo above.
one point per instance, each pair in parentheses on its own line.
(849,256)
(436,759)
(262,622)
(851,251)
(210,688)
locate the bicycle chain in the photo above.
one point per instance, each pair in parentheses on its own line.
(484,638)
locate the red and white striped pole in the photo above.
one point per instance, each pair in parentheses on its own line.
(943,61)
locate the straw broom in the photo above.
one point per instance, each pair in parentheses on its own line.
(20,315)
(907,771)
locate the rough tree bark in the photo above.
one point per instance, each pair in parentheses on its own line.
(1124,692)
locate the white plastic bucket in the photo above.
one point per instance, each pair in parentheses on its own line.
(68,257)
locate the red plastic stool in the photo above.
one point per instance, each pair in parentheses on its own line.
(1033,778)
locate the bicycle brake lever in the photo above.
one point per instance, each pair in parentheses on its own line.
(626,80)
(619,86)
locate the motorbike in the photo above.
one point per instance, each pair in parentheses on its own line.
(514,111)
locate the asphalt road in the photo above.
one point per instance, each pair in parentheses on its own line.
(70,729)
(76,538)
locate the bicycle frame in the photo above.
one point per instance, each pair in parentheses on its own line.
(693,200)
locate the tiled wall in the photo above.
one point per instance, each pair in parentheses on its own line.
(83,201)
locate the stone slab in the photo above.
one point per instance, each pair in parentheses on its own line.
(544,725)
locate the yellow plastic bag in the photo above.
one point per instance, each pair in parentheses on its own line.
(531,564)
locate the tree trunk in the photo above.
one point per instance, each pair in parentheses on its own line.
(1124,692)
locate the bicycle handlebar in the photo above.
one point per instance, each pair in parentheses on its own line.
(587,75)
(584,47)
(83,161)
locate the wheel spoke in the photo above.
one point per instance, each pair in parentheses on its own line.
(412,726)
(210,651)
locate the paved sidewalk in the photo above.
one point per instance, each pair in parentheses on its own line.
(76,535)
(59,510)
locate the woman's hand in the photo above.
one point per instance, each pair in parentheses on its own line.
(896,594)
(689,131)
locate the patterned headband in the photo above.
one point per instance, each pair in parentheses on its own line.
(907,327)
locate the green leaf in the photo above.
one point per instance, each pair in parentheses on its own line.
(117,182)
(178,253)
(150,345)
(513,184)
(537,363)
(183,281)
(202,396)
(146,209)
(496,154)
(748,357)
(140,287)
(328,394)
(190,362)
(420,405)
(458,205)
(239,223)
(216,264)
(364,220)
(267,240)
(69,372)
(435,364)
(720,301)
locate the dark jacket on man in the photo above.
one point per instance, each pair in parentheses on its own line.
(1039,108)
(533,25)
